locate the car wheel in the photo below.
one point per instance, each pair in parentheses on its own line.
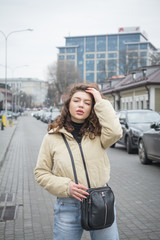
(128,145)
(142,153)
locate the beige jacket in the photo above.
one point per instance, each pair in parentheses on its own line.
(54,169)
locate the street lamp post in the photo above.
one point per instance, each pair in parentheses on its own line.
(6,42)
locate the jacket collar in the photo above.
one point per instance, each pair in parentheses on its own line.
(62,130)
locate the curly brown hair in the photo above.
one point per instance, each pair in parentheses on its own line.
(91,125)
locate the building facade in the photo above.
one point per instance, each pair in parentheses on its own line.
(138,90)
(34,88)
(99,57)
(3,95)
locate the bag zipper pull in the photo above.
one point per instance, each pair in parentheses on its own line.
(103,195)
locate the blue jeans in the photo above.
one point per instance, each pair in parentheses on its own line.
(67,222)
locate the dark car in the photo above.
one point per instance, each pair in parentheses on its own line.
(134,123)
(149,145)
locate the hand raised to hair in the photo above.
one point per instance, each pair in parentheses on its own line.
(96,94)
(78,191)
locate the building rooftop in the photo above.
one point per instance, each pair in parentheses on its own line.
(142,77)
(109,34)
(70,46)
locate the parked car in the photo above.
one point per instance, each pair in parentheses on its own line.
(53,115)
(149,145)
(46,117)
(134,123)
(10,114)
(39,114)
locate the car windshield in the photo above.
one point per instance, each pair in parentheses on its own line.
(143,117)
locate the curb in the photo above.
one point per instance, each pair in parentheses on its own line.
(3,155)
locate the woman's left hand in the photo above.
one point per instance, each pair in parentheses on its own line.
(96,94)
(78,191)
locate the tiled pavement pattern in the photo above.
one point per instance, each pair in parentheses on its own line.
(137,190)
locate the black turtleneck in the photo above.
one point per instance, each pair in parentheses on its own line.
(75,133)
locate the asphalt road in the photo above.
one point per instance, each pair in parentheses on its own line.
(136,187)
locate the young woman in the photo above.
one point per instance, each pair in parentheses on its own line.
(89,120)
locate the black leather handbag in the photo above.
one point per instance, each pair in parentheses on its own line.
(97,210)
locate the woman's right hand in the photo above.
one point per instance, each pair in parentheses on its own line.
(78,191)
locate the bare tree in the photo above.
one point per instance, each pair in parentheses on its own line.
(128,61)
(60,76)
(155,58)
(52,95)
(101,71)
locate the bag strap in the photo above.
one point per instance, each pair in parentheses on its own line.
(72,160)
(85,167)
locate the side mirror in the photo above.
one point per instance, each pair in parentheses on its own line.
(153,125)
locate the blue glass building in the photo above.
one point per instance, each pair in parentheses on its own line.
(100,57)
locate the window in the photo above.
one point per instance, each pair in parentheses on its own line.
(79,41)
(143,54)
(132,64)
(89,56)
(90,44)
(112,65)
(70,50)
(112,55)
(128,38)
(101,43)
(111,74)
(101,55)
(61,50)
(70,41)
(80,64)
(132,54)
(61,57)
(101,76)
(100,65)
(70,57)
(90,77)
(143,46)
(13,85)
(89,65)
(122,68)
(132,46)
(112,43)
(137,105)
(127,105)
(142,106)
(143,62)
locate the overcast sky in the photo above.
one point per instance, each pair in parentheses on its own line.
(29,53)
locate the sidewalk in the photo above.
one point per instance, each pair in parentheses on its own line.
(5,139)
